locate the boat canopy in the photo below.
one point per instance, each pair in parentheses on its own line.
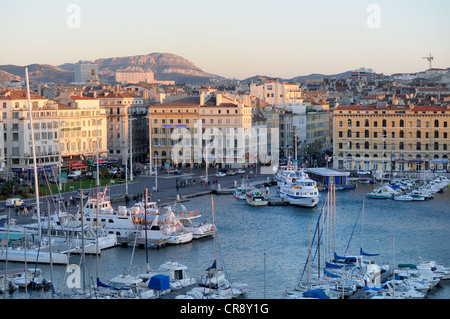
(329,274)
(366,254)
(316,293)
(159,282)
(348,259)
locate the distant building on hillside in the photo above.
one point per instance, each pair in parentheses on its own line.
(125,77)
(83,70)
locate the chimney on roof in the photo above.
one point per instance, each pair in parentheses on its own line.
(202,98)
(218,99)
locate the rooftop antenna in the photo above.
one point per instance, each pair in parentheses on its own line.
(429,58)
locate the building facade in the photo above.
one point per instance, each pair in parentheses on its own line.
(391,138)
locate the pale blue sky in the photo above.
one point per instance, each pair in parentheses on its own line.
(233,38)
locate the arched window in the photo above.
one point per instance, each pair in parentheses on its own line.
(366,133)
(418,135)
(436,123)
(436,133)
(402,134)
(349,133)
(366,123)
(436,146)
(402,123)
(418,146)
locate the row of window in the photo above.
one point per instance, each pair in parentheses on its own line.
(401,134)
(384,123)
(401,146)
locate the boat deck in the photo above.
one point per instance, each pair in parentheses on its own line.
(141,242)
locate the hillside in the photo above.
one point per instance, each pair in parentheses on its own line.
(165,66)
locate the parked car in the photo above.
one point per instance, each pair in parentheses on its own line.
(231,173)
(58,198)
(75,174)
(85,195)
(14,202)
(240,171)
(174,171)
(220,174)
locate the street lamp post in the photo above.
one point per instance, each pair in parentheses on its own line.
(60,158)
(150,153)
(131,147)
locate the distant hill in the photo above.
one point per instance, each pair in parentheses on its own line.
(8,77)
(165,66)
(300,78)
(40,73)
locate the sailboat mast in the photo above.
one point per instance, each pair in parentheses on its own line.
(38,211)
(145,223)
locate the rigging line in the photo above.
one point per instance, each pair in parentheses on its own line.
(224,268)
(36,263)
(354,226)
(313,239)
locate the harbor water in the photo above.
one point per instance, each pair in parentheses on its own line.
(266,247)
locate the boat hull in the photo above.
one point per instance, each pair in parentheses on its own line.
(42,257)
(181,238)
(256,202)
(302,201)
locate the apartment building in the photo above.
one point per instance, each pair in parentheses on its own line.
(179,117)
(276,93)
(67,129)
(126,126)
(228,122)
(183,130)
(391,137)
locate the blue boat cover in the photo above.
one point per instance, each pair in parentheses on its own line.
(159,282)
(366,254)
(329,274)
(315,293)
(351,258)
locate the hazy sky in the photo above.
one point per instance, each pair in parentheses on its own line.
(233,38)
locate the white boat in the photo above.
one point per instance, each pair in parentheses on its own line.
(191,222)
(160,228)
(18,247)
(417,195)
(119,223)
(239,192)
(285,174)
(300,190)
(176,272)
(215,281)
(404,197)
(33,277)
(256,197)
(64,225)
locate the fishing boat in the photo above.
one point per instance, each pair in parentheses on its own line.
(256,197)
